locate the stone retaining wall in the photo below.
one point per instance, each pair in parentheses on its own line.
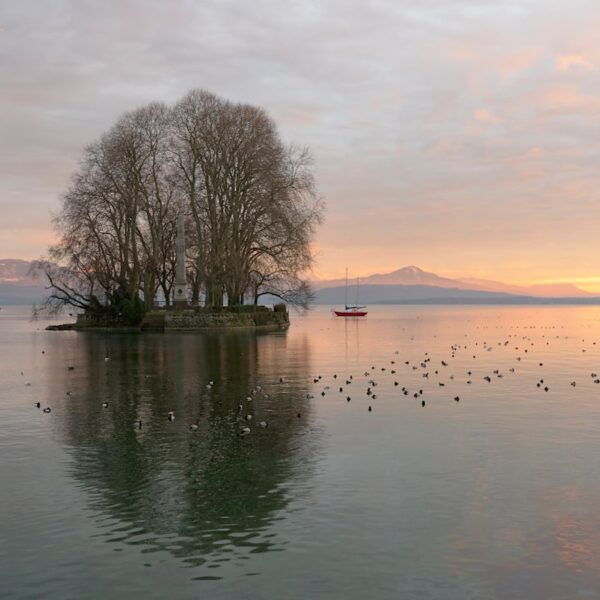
(191,320)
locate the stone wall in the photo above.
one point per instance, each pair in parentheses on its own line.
(192,320)
(197,320)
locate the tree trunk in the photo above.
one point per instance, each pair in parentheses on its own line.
(149,287)
(195,293)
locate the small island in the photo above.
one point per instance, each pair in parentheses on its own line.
(185,218)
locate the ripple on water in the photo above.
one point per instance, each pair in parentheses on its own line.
(490,497)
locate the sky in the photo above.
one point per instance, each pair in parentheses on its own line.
(462,136)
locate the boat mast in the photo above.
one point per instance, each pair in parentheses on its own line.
(346,292)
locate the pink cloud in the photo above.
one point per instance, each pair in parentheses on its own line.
(565,62)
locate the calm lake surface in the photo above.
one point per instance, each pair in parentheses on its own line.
(495,496)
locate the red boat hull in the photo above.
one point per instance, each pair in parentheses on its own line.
(353,313)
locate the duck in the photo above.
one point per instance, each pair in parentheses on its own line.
(47,409)
(171,415)
(193,427)
(105,405)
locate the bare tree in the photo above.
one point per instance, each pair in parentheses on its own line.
(250,206)
(250,197)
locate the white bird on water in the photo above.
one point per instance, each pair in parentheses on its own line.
(171,415)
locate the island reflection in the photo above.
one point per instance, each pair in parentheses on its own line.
(206,496)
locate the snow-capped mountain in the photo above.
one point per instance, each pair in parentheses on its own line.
(412,275)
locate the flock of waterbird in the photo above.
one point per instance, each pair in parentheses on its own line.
(436,373)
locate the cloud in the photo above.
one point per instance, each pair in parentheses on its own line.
(447,133)
(565,62)
(483,115)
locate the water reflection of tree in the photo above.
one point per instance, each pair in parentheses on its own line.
(202,495)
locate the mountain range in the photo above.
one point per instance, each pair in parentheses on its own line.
(406,285)
(412,285)
(412,275)
(17,286)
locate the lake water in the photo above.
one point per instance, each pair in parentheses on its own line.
(494,496)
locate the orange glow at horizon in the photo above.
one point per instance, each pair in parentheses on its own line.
(506,273)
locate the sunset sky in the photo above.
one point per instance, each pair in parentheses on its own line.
(460,136)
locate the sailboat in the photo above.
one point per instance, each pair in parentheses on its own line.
(351,311)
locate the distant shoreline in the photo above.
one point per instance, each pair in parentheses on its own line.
(516,301)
